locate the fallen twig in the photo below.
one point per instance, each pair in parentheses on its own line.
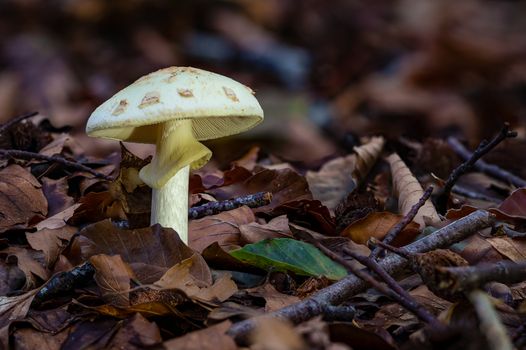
(408,301)
(490,323)
(55,159)
(252,200)
(484,167)
(345,288)
(16,120)
(464,278)
(64,282)
(396,229)
(468,193)
(512,233)
(483,148)
(397,294)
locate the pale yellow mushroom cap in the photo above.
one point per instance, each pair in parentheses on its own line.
(217,105)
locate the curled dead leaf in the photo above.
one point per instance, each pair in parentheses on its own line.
(409,191)
(340,176)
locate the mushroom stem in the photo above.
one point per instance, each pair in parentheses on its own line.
(170,204)
(177,151)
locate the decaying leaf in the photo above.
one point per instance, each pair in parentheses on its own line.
(514,206)
(254,232)
(13,308)
(286,185)
(222,228)
(21,198)
(274,300)
(56,193)
(50,241)
(340,176)
(30,261)
(367,155)
(150,251)
(273,333)
(513,249)
(211,338)
(409,191)
(113,276)
(179,277)
(377,225)
(136,333)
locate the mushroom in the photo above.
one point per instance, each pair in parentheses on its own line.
(175,108)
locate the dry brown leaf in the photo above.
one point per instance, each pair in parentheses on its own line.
(276,334)
(211,338)
(275,228)
(58,220)
(377,225)
(286,185)
(340,176)
(113,276)
(367,155)
(21,198)
(29,261)
(179,277)
(222,228)
(409,191)
(333,181)
(274,299)
(513,249)
(29,338)
(50,241)
(150,251)
(248,160)
(136,333)
(11,309)
(56,193)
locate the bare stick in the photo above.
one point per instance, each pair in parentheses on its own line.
(345,288)
(406,299)
(398,251)
(464,278)
(396,229)
(468,193)
(490,323)
(512,233)
(16,120)
(55,159)
(252,200)
(484,167)
(483,148)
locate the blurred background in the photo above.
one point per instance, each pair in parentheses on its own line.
(325,72)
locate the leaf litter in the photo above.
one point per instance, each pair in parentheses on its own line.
(343,178)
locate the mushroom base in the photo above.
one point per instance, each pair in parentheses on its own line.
(170,204)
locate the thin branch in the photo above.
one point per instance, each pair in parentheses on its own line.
(468,193)
(513,233)
(396,229)
(410,303)
(55,159)
(398,251)
(484,167)
(345,288)
(252,200)
(483,148)
(490,324)
(16,120)
(465,278)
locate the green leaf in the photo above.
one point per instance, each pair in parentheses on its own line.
(286,254)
